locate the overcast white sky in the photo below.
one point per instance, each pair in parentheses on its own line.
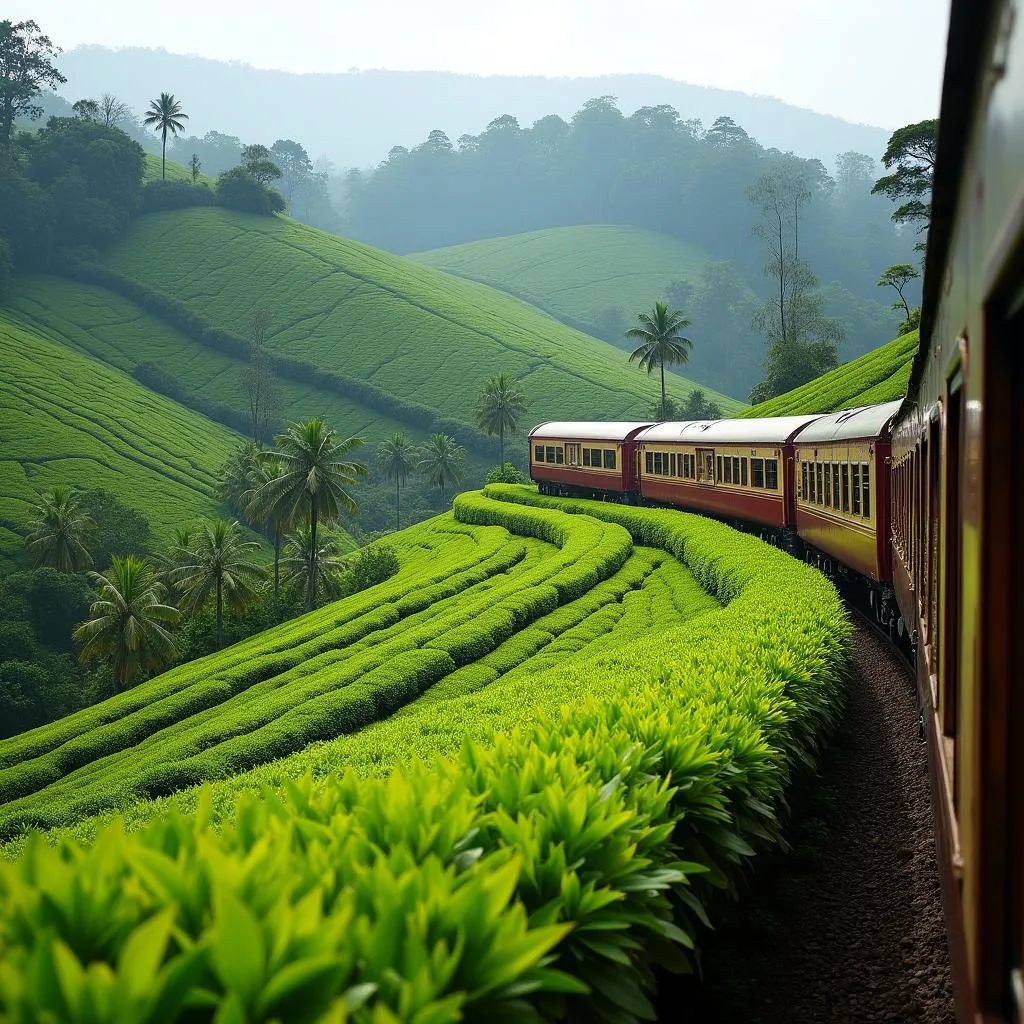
(872,61)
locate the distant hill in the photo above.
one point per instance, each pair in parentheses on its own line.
(412,331)
(356,117)
(70,419)
(880,376)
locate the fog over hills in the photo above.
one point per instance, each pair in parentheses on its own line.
(355,117)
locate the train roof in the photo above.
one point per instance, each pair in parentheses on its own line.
(585,431)
(767,430)
(863,422)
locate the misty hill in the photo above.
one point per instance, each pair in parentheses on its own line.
(354,118)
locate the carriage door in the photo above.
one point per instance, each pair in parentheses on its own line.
(705,465)
(572,454)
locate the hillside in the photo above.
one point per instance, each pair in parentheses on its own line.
(576,272)
(879,376)
(69,419)
(416,332)
(175,171)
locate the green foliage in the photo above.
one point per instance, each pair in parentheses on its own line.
(507,473)
(500,408)
(26,57)
(441,461)
(58,531)
(660,341)
(165,115)
(879,376)
(910,158)
(237,189)
(118,529)
(397,459)
(372,565)
(898,276)
(696,407)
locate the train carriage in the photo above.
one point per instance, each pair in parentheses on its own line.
(740,470)
(842,490)
(584,458)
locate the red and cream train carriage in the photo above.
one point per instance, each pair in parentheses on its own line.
(584,457)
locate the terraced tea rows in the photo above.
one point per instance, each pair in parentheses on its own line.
(67,419)
(384,318)
(581,822)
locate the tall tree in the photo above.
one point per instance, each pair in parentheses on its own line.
(58,531)
(235,478)
(127,621)
(499,407)
(267,468)
(441,461)
(87,110)
(26,68)
(898,276)
(910,157)
(112,112)
(219,569)
(258,379)
(295,166)
(327,562)
(312,486)
(397,460)
(165,115)
(660,341)
(256,160)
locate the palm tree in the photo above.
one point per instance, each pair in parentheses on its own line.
(266,468)
(441,461)
(236,476)
(218,567)
(126,621)
(179,554)
(165,115)
(312,484)
(499,407)
(660,340)
(58,530)
(397,458)
(327,564)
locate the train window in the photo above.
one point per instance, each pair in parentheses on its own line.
(586,456)
(846,486)
(865,489)
(728,471)
(559,456)
(757,472)
(648,463)
(672,464)
(743,473)
(819,473)
(538,453)
(609,458)
(810,472)
(771,474)
(803,482)
(549,454)
(710,468)
(659,463)
(855,472)
(735,471)
(835,486)
(828,485)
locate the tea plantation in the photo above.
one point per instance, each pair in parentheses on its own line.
(505,784)
(409,330)
(69,419)
(874,378)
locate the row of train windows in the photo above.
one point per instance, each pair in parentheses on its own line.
(838,485)
(764,473)
(556,455)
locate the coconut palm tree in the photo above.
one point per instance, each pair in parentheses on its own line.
(267,468)
(165,115)
(660,340)
(127,620)
(397,459)
(58,531)
(312,484)
(218,568)
(328,564)
(176,556)
(499,407)
(441,460)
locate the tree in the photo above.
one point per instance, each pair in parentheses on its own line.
(58,530)
(237,189)
(910,156)
(112,112)
(126,621)
(235,478)
(499,407)
(441,461)
(118,528)
(397,460)
(313,482)
(267,468)
(295,166)
(256,160)
(898,276)
(165,115)
(26,68)
(86,110)
(218,569)
(327,563)
(195,165)
(258,381)
(660,340)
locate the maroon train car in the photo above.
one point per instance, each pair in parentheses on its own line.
(842,500)
(584,458)
(735,469)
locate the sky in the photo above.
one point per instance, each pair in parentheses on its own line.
(876,62)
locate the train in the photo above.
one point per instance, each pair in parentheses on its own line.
(916,506)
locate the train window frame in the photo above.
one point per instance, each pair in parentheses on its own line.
(804,466)
(844,476)
(835,487)
(757,472)
(743,466)
(549,454)
(827,473)
(572,453)
(812,494)
(771,474)
(648,463)
(820,474)
(538,453)
(735,469)
(865,486)
(855,488)
(609,458)
(727,471)
(559,456)
(586,456)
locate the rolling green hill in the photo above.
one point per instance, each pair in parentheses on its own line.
(175,172)
(879,376)
(69,419)
(576,272)
(424,335)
